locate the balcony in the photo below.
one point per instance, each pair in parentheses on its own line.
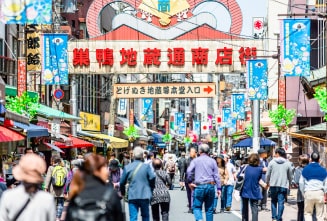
(7,66)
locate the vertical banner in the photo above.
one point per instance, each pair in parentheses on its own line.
(257,79)
(122,106)
(226,117)
(147,109)
(21,76)
(238,106)
(33,54)
(55,59)
(295,47)
(26,11)
(196,127)
(180,125)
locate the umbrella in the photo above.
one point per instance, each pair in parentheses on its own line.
(264,142)
(7,135)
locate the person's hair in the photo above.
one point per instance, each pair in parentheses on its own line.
(112,154)
(254,159)
(204,148)
(303,160)
(281,152)
(56,159)
(138,153)
(315,157)
(222,162)
(157,164)
(28,149)
(92,163)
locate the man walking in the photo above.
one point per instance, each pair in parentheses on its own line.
(204,170)
(230,183)
(313,185)
(279,178)
(264,164)
(188,189)
(141,179)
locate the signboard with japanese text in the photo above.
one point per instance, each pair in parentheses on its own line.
(147,113)
(33,56)
(197,127)
(26,12)
(257,79)
(21,76)
(295,47)
(122,107)
(55,60)
(137,57)
(164,90)
(90,121)
(238,106)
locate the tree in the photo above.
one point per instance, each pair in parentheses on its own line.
(282,117)
(321,96)
(132,133)
(167,138)
(249,130)
(24,105)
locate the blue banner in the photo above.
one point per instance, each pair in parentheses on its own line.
(180,125)
(257,79)
(26,12)
(55,59)
(226,117)
(295,43)
(122,106)
(147,114)
(238,106)
(196,127)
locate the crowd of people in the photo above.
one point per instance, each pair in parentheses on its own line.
(95,188)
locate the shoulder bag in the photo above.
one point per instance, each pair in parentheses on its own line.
(240,180)
(130,180)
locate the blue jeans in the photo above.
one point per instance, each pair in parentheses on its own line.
(278,196)
(134,205)
(229,195)
(223,197)
(60,206)
(204,193)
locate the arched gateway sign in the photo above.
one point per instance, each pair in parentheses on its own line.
(168,36)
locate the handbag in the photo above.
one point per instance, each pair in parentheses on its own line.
(130,180)
(240,180)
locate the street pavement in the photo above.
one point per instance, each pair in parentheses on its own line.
(178,209)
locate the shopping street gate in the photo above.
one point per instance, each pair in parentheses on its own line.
(164,90)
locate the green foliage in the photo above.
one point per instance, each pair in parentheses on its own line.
(131,132)
(321,96)
(281,117)
(24,105)
(214,139)
(187,140)
(167,138)
(249,130)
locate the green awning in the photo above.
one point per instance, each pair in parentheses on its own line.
(12,91)
(49,112)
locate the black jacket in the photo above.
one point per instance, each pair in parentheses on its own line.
(95,189)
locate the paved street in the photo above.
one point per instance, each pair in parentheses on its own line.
(178,209)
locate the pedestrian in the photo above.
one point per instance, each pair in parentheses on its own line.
(141,181)
(74,166)
(27,201)
(170,168)
(264,165)
(278,178)
(303,161)
(55,182)
(223,176)
(189,192)
(202,175)
(126,160)
(182,169)
(90,185)
(230,184)
(251,191)
(160,194)
(115,173)
(313,185)
(3,185)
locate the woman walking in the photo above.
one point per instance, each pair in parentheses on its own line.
(223,175)
(160,195)
(251,191)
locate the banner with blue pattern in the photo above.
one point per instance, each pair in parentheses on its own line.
(257,79)
(238,106)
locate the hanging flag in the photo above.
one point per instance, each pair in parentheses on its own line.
(55,59)
(295,47)
(147,109)
(180,125)
(226,116)
(257,79)
(122,106)
(204,128)
(196,127)
(26,11)
(238,106)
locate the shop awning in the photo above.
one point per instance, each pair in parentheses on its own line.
(12,91)
(49,112)
(31,130)
(315,129)
(54,147)
(73,142)
(125,122)
(7,135)
(157,137)
(113,141)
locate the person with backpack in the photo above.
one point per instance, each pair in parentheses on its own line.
(170,168)
(55,182)
(91,197)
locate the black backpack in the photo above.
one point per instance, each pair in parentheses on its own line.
(92,209)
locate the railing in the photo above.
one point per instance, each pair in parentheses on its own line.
(7,66)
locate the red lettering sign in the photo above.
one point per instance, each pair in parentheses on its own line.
(151,56)
(105,56)
(246,54)
(81,57)
(176,56)
(128,56)
(224,56)
(200,56)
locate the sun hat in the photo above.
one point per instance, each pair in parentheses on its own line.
(30,169)
(113,164)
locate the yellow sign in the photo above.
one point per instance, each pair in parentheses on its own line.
(165,90)
(90,121)
(33,56)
